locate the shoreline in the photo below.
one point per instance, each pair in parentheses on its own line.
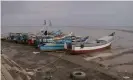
(24,59)
(21,56)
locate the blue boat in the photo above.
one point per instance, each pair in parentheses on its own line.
(20,37)
(55,45)
(51,46)
(56,33)
(14,37)
(58,44)
(11,37)
(40,40)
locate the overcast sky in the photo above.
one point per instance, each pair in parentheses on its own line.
(73,13)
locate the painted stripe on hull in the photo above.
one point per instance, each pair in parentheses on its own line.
(89,51)
(91,48)
(52,47)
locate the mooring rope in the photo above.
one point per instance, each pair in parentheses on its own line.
(50,62)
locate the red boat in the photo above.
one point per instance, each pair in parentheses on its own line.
(31,40)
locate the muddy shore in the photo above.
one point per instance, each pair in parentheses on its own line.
(117,65)
(24,56)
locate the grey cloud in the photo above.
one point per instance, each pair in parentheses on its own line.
(67,13)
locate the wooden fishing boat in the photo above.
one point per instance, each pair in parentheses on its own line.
(64,37)
(40,40)
(25,38)
(55,45)
(31,39)
(86,47)
(11,37)
(17,37)
(51,46)
(57,33)
(21,38)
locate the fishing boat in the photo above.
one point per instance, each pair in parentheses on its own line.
(22,38)
(49,43)
(87,47)
(11,36)
(40,40)
(51,46)
(31,39)
(53,41)
(57,33)
(55,45)
(17,37)
(25,38)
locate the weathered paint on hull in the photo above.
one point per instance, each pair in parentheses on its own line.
(51,48)
(88,51)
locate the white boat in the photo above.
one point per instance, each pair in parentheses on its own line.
(86,47)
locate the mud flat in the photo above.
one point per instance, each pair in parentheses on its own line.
(59,67)
(120,57)
(106,65)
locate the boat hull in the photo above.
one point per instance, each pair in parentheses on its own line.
(97,45)
(78,50)
(51,47)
